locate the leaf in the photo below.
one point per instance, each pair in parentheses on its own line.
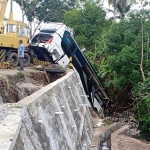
(103,74)
(107,84)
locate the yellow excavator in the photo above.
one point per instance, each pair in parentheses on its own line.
(11,32)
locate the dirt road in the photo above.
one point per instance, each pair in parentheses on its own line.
(127,143)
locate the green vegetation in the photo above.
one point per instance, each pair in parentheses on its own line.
(127,50)
(122,7)
(124,50)
(142,95)
(20,76)
(51,9)
(88,23)
(118,51)
(38,11)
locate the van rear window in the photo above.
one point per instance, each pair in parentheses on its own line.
(41,38)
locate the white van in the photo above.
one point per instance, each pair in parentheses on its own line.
(49,38)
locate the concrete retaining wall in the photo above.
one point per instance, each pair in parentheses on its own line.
(53,118)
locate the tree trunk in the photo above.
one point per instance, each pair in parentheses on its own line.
(30,32)
(115,11)
(22,7)
(142,51)
(39,24)
(147,46)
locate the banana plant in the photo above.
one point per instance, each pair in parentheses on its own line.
(98,59)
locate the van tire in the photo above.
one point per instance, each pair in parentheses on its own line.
(14,58)
(26,61)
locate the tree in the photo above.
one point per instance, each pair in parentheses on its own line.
(141,93)
(123,46)
(88,23)
(5,18)
(113,3)
(127,50)
(123,7)
(120,6)
(47,10)
(39,9)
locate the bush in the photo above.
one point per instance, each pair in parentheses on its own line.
(142,93)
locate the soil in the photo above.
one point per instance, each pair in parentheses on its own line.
(128,143)
(16,85)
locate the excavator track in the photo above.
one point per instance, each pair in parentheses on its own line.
(5,65)
(43,63)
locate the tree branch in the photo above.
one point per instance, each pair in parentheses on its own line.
(142,51)
(40,23)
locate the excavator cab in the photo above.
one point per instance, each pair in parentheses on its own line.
(16,31)
(11,31)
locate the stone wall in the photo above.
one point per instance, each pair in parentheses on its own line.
(53,118)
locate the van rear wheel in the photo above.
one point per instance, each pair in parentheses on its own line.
(13,57)
(26,60)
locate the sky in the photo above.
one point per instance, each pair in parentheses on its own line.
(16,11)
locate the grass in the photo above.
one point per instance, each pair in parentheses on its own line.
(12,83)
(20,76)
(3,76)
(108,121)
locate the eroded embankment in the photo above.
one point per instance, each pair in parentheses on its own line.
(55,117)
(15,85)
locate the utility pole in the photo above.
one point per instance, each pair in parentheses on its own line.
(22,7)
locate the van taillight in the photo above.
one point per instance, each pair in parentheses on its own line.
(50,40)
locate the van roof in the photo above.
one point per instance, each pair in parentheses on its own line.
(52,26)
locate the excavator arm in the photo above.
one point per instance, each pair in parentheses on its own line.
(3,5)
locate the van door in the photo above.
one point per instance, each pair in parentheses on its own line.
(64,61)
